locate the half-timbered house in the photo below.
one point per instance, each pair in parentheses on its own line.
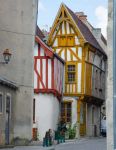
(48,86)
(76,41)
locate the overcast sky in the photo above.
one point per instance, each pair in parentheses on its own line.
(96,11)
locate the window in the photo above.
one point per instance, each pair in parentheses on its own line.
(66,111)
(8,104)
(1,103)
(71,77)
(71,73)
(71,67)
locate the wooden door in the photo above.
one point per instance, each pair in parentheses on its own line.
(81,110)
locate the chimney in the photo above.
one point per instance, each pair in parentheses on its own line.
(81,16)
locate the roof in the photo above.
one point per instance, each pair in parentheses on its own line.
(103,39)
(85,31)
(49,52)
(39,33)
(8,83)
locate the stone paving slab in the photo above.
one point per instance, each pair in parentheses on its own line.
(80,144)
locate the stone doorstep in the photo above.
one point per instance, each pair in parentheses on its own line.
(6,146)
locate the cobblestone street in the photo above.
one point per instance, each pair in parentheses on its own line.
(82,144)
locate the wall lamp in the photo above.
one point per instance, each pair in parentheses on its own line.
(7,56)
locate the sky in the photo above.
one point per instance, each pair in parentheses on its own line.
(96,11)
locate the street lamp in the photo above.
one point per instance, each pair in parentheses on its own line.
(7,56)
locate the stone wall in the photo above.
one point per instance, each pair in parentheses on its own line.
(109,101)
(17,33)
(4,91)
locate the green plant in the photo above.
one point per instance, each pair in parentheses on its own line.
(71,131)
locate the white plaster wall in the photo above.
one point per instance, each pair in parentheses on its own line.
(41,51)
(76,40)
(80,52)
(74,111)
(55,42)
(46,113)
(68,55)
(58,50)
(67,27)
(63,55)
(49,73)
(63,29)
(36,49)
(35,80)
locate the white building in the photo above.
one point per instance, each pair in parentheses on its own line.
(48,86)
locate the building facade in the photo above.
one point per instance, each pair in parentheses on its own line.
(48,86)
(17,33)
(74,39)
(109,101)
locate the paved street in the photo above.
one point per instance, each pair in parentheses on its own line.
(82,144)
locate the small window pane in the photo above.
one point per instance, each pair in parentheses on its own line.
(71,67)
(71,77)
(8,104)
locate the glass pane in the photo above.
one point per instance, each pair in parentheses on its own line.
(8,104)
(71,77)
(71,67)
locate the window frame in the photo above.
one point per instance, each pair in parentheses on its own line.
(65,117)
(1,112)
(75,72)
(9,95)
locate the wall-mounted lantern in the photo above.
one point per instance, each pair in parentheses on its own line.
(7,56)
